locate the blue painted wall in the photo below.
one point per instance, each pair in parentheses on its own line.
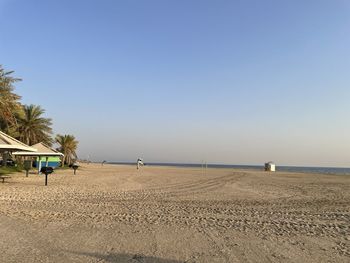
(43,164)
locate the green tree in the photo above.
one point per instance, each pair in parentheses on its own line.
(68,146)
(10,107)
(33,127)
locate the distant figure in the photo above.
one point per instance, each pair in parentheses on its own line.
(103,163)
(139,163)
(270,167)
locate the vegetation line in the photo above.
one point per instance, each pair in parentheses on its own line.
(27,123)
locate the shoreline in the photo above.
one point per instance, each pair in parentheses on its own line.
(283,169)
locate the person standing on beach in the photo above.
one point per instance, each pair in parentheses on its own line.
(139,163)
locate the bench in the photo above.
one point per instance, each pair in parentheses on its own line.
(3,177)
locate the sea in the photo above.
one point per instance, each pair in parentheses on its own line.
(294,169)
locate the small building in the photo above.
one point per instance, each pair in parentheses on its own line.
(52,161)
(270,167)
(44,156)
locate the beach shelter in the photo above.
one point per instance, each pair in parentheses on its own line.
(45,155)
(9,144)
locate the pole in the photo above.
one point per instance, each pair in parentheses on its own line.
(39,165)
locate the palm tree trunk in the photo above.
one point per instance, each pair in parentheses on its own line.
(63,159)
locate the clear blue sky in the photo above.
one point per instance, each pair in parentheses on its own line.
(239,82)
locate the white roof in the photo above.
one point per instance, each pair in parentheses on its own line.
(42,150)
(7,143)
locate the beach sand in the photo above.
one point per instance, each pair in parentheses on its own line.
(114,213)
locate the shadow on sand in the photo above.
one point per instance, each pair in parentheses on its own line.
(127,258)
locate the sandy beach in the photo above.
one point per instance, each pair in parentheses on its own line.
(114,213)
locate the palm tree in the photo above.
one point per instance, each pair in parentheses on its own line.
(68,146)
(32,127)
(9,102)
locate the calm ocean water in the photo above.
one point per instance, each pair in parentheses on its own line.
(298,169)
